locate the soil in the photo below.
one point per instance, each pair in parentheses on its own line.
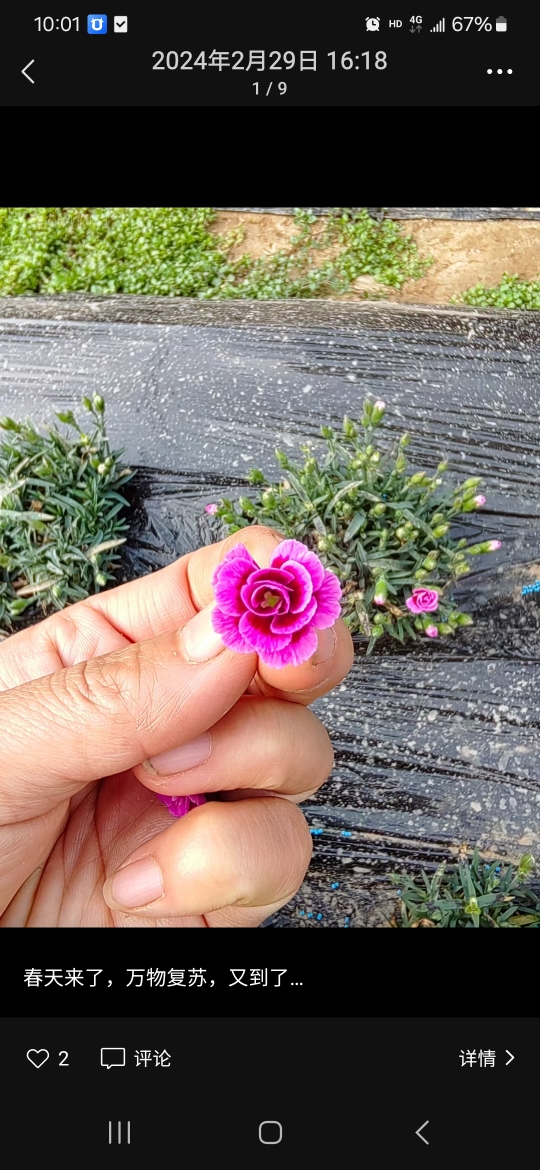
(464,252)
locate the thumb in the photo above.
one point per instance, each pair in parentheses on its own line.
(106,715)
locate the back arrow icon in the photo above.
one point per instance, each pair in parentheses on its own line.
(511,1057)
(27,75)
(419,1134)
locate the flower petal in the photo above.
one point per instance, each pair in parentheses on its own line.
(226,625)
(328,598)
(239,550)
(291,622)
(302,646)
(178,806)
(227,582)
(256,631)
(302,586)
(254,599)
(294,550)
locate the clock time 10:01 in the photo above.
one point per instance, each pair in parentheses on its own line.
(54,23)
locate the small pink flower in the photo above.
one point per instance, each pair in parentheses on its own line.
(479,500)
(431,631)
(494,544)
(275,611)
(423,601)
(379,599)
(178,806)
(212,508)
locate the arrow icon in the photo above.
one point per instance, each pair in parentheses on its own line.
(27,75)
(511,1057)
(419,1133)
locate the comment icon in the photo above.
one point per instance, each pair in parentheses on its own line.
(113,1057)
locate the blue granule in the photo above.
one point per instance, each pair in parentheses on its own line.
(346,833)
(334,886)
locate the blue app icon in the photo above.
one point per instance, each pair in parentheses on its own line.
(97,24)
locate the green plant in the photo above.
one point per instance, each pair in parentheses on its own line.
(383,531)
(60,499)
(511,293)
(470,894)
(169,251)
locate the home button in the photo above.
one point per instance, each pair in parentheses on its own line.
(270,1133)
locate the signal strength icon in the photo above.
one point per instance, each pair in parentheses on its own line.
(438,27)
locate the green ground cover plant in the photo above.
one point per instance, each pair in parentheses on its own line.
(60,504)
(471,893)
(385,532)
(510,293)
(170,251)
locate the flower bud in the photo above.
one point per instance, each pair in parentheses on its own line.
(443,466)
(461,568)
(445,628)
(370,449)
(94,462)
(405,440)
(418,478)
(420,575)
(437,518)
(88,403)
(472,482)
(464,619)
(323,545)
(377,631)
(440,530)
(378,509)
(327,432)
(101,469)
(255,476)
(379,619)
(401,463)
(432,631)
(349,428)
(494,544)
(376,457)
(101,579)
(98,403)
(381,592)
(268,498)
(347,510)
(479,501)
(377,412)
(310,465)
(84,440)
(429,564)
(365,421)
(402,534)
(368,407)
(245,504)
(109,462)
(281,458)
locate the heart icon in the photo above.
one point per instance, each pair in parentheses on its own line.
(37,1058)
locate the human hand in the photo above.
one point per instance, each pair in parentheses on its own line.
(91,694)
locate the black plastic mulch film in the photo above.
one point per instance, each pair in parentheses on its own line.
(413,212)
(437,744)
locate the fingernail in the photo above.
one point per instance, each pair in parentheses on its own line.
(137,884)
(326,648)
(181,759)
(199,637)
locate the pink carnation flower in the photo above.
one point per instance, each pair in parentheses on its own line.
(431,631)
(494,544)
(275,611)
(479,500)
(423,601)
(212,508)
(178,806)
